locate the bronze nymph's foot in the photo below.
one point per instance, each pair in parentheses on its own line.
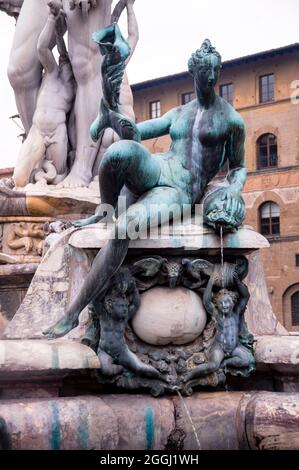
(94,219)
(62,327)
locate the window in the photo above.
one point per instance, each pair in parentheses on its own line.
(267,151)
(227,92)
(297,261)
(295,308)
(267,88)
(187,97)
(155,109)
(270,219)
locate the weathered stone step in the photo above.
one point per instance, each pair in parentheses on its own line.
(222,420)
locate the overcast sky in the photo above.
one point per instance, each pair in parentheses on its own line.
(169,31)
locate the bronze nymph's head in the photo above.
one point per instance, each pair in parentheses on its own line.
(204,65)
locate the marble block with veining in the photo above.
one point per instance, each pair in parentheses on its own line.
(38,200)
(185,237)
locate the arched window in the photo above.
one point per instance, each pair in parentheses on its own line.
(295,308)
(267,151)
(269,219)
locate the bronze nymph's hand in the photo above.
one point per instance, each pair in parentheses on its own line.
(233,205)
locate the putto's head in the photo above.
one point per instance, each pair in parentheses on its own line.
(204,65)
(225,300)
(117,307)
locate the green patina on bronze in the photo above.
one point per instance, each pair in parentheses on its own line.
(55,434)
(55,357)
(83,428)
(150,428)
(205,133)
(5,437)
(116,51)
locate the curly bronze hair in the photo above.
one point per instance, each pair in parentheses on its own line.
(234,295)
(198,56)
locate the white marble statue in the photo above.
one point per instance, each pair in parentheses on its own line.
(11,7)
(48,135)
(25,72)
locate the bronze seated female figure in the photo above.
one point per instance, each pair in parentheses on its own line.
(205,133)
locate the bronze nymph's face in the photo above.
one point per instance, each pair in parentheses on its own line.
(207,72)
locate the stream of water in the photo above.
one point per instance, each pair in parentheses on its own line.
(188,414)
(222,256)
(183,401)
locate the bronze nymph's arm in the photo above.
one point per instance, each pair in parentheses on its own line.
(235,152)
(156,127)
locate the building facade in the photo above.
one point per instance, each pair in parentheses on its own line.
(262,88)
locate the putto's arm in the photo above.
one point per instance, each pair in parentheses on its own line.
(156,127)
(133,31)
(243,296)
(45,54)
(207,299)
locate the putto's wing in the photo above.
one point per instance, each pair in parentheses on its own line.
(198,266)
(148,267)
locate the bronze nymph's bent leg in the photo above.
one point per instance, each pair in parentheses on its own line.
(125,163)
(130,163)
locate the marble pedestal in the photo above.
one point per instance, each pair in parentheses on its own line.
(23,217)
(48,387)
(64,266)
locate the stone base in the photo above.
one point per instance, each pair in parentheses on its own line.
(23,215)
(63,268)
(49,201)
(35,374)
